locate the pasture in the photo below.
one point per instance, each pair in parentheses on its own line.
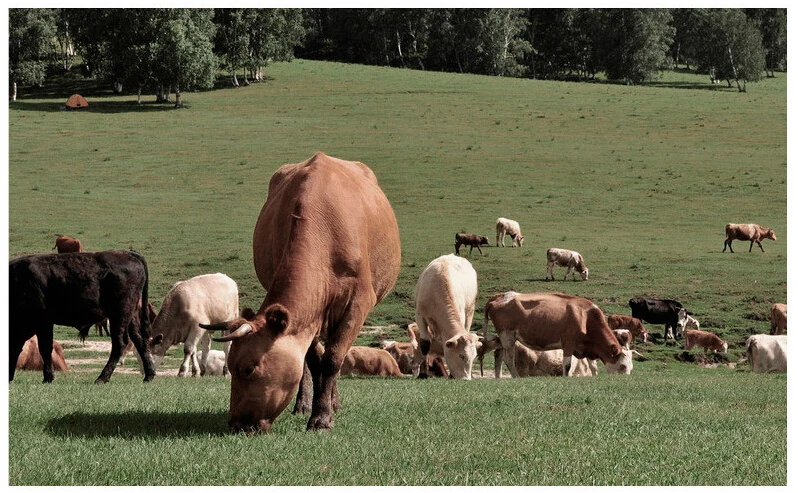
(640,180)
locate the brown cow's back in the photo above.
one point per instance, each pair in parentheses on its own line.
(366,361)
(30,359)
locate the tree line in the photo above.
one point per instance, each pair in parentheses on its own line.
(173,50)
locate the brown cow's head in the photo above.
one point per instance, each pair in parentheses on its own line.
(620,362)
(265,363)
(769,234)
(483,240)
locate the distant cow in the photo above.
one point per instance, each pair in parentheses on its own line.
(509,227)
(67,244)
(767,353)
(655,311)
(531,363)
(747,232)
(205,299)
(546,321)
(706,340)
(30,359)
(778,319)
(215,364)
(79,289)
(445,299)
(625,322)
(624,337)
(565,258)
(369,361)
(469,240)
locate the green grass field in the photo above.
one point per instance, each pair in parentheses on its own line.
(640,180)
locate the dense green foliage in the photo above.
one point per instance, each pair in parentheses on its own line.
(641,180)
(161,50)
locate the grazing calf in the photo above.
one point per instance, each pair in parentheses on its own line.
(624,337)
(67,244)
(565,258)
(445,299)
(778,319)
(747,232)
(508,227)
(531,363)
(767,353)
(469,240)
(546,321)
(30,359)
(706,340)
(77,290)
(205,299)
(625,322)
(369,361)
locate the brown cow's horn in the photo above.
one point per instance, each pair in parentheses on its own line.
(238,333)
(216,326)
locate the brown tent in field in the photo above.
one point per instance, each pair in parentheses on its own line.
(76,101)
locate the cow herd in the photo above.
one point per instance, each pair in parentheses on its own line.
(326,249)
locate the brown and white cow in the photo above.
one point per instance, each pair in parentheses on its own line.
(531,363)
(327,249)
(778,319)
(706,340)
(747,232)
(625,322)
(767,353)
(67,244)
(509,227)
(445,299)
(370,361)
(470,240)
(565,258)
(544,321)
(30,359)
(624,337)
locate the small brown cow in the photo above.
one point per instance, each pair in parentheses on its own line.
(747,232)
(625,322)
(469,240)
(778,319)
(67,244)
(706,340)
(368,361)
(30,359)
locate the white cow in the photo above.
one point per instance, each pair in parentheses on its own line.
(445,299)
(565,258)
(205,299)
(767,353)
(215,363)
(506,226)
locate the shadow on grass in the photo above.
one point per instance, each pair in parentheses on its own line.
(138,424)
(104,107)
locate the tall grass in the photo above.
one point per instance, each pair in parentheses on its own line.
(640,180)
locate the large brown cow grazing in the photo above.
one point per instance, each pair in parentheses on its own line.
(544,321)
(370,361)
(326,248)
(747,232)
(30,359)
(778,319)
(67,244)
(77,290)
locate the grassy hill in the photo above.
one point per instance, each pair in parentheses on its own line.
(640,180)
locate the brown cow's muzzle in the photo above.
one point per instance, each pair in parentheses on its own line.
(238,426)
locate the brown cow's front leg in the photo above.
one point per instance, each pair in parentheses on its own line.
(304,396)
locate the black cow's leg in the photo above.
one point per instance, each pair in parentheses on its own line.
(118,343)
(17,341)
(140,344)
(45,336)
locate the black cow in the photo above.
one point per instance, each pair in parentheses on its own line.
(668,312)
(77,290)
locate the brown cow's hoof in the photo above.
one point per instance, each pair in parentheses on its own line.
(320,423)
(301,408)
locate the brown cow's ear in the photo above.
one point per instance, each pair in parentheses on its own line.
(248,313)
(277,318)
